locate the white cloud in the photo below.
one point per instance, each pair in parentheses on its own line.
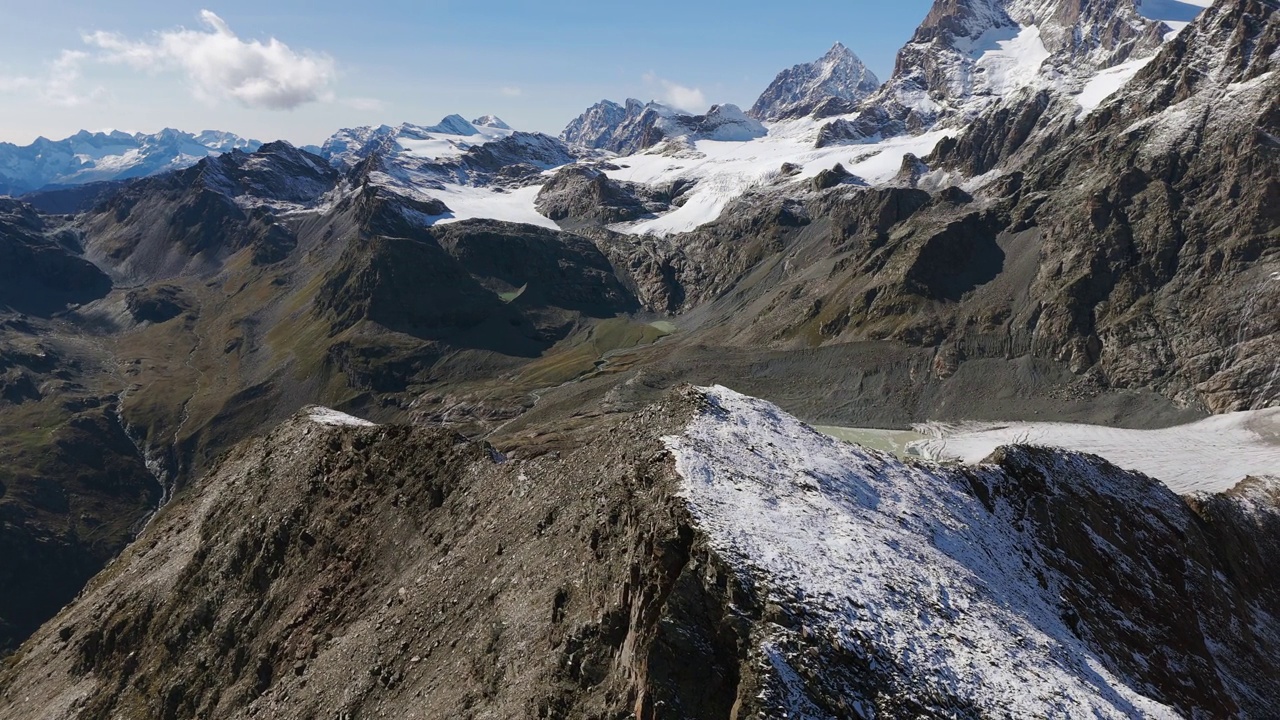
(511,91)
(219,65)
(59,85)
(62,86)
(16,83)
(677,95)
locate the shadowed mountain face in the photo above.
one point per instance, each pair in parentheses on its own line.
(40,271)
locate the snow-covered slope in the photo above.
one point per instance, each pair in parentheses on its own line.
(333,418)
(480,169)
(937,579)
(449,138)
(92,157)
(721,171)
(838,79)
(1212,455)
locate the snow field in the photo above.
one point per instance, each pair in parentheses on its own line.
(1212,455)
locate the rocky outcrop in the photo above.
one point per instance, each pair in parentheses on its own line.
(522,157)
(504,287)
(599,126)
(968,55)
(277,172)
(581,193)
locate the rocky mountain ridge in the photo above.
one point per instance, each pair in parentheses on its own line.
(968,55)
(837,83)
(638,126)
(369,570)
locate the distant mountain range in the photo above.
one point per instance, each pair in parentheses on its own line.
(93,157)
(961,60)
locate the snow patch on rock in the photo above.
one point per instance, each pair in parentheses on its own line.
(333,418)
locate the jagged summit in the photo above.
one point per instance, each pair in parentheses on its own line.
(838,76)
(599,126)
(491,121)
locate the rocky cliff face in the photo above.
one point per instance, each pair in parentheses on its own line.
(340,567)
(1171,182)
(838,81)
(968,55)
(580,193)
(1076,233)
(40,271)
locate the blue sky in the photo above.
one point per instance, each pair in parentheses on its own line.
(299,71)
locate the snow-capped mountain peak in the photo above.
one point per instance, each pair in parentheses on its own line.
(638,126)
(969,55)
(98,156)
(837,76)
(453,125)
(490,121)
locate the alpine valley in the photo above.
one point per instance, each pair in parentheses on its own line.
(435,420)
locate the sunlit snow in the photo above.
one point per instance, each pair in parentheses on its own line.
(724,171)
(899,558)
(514,206)
(1211,455)
(1007,61)
(1107,83)
(333,418)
